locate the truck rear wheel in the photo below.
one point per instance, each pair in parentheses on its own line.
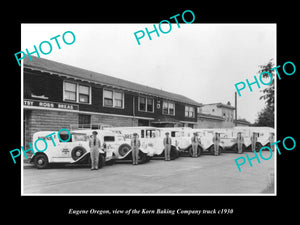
(199,150)
(101,161)
(258,146)
(174,154)
(77,152)
(124,149)
(143,158)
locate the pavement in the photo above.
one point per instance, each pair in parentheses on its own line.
(204,175)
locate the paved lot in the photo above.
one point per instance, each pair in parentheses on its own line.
(204,175)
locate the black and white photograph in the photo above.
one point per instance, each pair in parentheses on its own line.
(162,117)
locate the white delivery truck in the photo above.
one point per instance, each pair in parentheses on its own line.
(74,151)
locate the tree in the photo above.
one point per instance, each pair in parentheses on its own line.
(266,116)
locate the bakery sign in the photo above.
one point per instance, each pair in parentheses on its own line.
(47,104)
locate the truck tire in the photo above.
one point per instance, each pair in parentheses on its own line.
(174,154)
(101,161)
(258,146)
(77,152)
(124,149)
(41,161)
(143,158)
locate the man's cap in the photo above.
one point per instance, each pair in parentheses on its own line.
(95,132)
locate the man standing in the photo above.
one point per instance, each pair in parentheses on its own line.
(253,141)
(216,141)
(94,144)
(167,146)
(195,143)
(240,142)
(135,146)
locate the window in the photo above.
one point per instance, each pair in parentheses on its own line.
(108,98)
(165,108)
(189,111)
(168,108)
(142,104)
(146,104)
(70,91)
(109,139)
(84,119)
(149,105)
(79,137)
(77,93)
(84,93)
(118,99)
(113,99)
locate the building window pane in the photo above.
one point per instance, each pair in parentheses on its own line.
(84,94)
(118,99)
(108,98)
(84,90)
(118,103)
(70,87)
(108,102)
(149,104)
(171,108)
(165,107)
(186,112)
(83,98)
(142,104)
(71,96)
(70,91)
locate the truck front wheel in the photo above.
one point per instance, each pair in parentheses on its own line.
(41,161)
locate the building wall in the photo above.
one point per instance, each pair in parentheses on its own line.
(115,121)
(51,86)
(209,123)
(211,109)
(204,122)
(46,120)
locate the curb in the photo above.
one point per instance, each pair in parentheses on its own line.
(27,165)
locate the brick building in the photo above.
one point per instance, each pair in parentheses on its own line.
(57,95)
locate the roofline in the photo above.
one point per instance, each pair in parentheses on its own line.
(242,121)
(219,104)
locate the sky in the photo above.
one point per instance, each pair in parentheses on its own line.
(199,61)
